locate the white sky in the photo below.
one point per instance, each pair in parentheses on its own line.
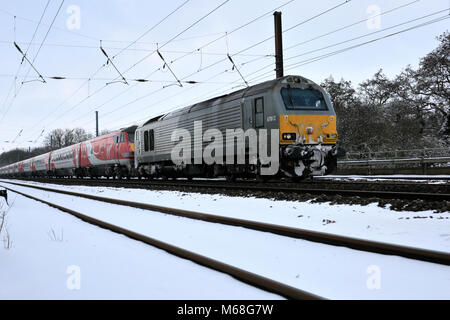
(58,104)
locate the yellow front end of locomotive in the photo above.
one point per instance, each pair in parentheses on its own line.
(308,129)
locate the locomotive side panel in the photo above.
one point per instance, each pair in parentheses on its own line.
(220,116)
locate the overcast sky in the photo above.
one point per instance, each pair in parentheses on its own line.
(71,49)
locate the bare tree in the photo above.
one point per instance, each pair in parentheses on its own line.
(60,138)
(432,81)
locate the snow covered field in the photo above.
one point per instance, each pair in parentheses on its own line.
(82,261)
(418,229)
(113,266)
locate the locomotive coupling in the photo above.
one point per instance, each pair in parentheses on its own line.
(309,159)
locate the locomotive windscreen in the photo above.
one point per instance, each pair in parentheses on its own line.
(303,99)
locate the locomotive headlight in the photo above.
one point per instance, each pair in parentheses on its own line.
(289,136)
(309,130)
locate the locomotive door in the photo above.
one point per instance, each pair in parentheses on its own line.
(116,148)
(258,113)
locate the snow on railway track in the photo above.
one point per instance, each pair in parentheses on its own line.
(313,267)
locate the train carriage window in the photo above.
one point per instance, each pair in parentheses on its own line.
(146,140)
(259,112)
(152,140)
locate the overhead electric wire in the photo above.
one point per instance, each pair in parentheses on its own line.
(207,81)
(353,47)
(151,29)
(55,28)
(369,42)
(168,41)
(176,36)
(246,49)
(271,37)
(158,23)
(26,51)
(166,98)
(34,59)
(236,29)
(351,25)
(158,90)
(45,37)
(286,30)
(25,58)
(132,49)
(146,96)
(98,39)
(365,35)
(209,43)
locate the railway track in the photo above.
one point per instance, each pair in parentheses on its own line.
(363,189)
(238,273)
(320,237)
(443,178)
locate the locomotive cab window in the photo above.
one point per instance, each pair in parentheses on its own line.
(303,99)
(151,138)
(146,140)
(259,112)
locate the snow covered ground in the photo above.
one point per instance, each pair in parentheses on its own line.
(332,272)
(82,261)
(418,229)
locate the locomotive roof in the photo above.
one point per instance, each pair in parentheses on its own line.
(260,87)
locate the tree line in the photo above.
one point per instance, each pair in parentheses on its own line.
(409,111)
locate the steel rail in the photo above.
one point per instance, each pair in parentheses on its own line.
(381,177)
(240,274)
(315,236)
(298,188)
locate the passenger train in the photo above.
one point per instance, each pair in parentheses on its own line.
(293,110)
